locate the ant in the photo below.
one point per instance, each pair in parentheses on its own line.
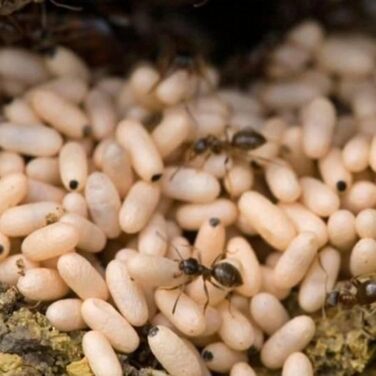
(354,292)
(240,145)
(220,274)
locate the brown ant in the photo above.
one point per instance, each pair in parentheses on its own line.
(220,274)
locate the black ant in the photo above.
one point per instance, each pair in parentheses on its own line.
(354,292)
(240,145)
(220,274)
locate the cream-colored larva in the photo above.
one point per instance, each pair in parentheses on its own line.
(104,203)
(65,314)
(19,112)
(191,216)
(75,202)
(268,312)
(38,191)
(295,261)
(239,249)
(63,62)
(152,239)
(111,85)
(297,364)
(138,206)
(90,237)
(238,179)
(189,185)
(365,223)
(242,369)
(361,195)
(45,169)
(175,88)
(210,241)
(268,284)
(42,284)
(333,171)
(31,139)
(10,163)
(236,330)
(100,354)
(13,189)
(4,246)
(319,119)
(344,57)
(355,153)
(172,131)
(307,34)
(154,271)
(101,112)
(188,316)
(341,230)
(293,151)
(173,353)
(319,280)
(49,106)
(50,241)
(220,358)
(116,164)
(142,81)
(22,65)
(127,294)
(363,257)
(145,157)
(304,220)
(318,197)
(103,317)
(82,277)
(282,181)
(73,166)
(13,267)
(268,220)
(291,337)
(74,89)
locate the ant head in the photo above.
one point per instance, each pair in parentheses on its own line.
(201,145)
(332,298)
(190,266)
(248,139)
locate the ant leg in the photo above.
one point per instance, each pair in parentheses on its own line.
(217,286)
(206,295)
(177,299)
(175,248)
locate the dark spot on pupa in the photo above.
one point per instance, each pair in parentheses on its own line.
(214,222)
(156,177)
(73,184)
(341,185)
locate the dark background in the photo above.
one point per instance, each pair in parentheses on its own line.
(116,34)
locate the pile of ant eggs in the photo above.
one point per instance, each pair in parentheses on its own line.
(198,223)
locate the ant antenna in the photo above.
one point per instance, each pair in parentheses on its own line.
(66,6)
(172,245)
(200,4)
